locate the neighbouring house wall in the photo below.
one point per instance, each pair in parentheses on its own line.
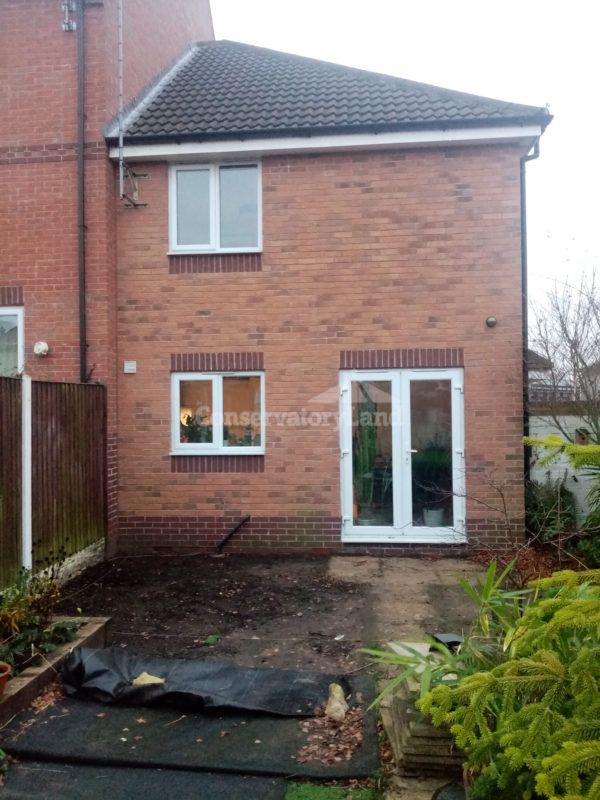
(38,236)
(575,480)
(155,34)
(38,172)
(368,251)
(38,132)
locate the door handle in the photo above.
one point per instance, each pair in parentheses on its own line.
(409,452)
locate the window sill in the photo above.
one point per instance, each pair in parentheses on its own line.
(196,252)
(410,536)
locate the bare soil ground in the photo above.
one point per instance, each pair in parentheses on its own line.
(303,613)
(279,612)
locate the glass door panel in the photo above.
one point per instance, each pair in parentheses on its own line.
(372,446)
(402,456)
(432,447)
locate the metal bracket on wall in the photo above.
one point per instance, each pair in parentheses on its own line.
(131,196)
(68,24)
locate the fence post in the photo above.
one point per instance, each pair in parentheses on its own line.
(26,528)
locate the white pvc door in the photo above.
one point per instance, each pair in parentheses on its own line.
(402,455)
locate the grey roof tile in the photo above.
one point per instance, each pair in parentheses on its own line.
(227,89)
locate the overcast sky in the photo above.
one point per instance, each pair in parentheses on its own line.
(526,51)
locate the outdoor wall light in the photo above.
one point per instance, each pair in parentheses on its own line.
(41,349)
(491,322)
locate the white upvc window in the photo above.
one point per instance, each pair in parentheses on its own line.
(217,413)
(215,208)
(12,341)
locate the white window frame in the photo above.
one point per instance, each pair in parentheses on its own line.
(215,447)
(214,209)
(19,313)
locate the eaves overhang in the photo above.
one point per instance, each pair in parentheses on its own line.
(257,143)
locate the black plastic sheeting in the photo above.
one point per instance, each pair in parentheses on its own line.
(107,677)
(40,781)
(78,731)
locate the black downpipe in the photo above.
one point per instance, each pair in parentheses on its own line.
(525,298)
(83,372)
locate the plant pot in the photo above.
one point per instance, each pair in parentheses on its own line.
(434,517)
(5,673)
(452,791)
(364,521)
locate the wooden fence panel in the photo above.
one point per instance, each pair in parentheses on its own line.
(10,479)
(68,468)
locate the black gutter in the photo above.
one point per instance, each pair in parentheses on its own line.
(524,298)
(83,372)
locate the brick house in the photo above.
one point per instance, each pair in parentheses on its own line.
(307,306)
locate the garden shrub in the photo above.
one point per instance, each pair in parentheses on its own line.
(530,726)
(584,457)
(550,508)
(26,611)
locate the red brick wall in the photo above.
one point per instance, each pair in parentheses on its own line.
(361,252)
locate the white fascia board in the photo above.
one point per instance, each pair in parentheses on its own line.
(231,148)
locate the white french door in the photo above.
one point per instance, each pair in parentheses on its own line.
(402,455)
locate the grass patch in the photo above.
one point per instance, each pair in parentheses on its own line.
(313,791)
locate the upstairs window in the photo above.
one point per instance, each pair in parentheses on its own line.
(215,208)
(12,351)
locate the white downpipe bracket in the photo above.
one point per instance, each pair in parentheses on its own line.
(26,525)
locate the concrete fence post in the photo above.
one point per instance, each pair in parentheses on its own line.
(26,496)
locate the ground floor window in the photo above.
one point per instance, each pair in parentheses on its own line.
(217,413)
(402,455)
(12,349)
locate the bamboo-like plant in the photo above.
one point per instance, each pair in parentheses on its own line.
(486,644)
(365,449)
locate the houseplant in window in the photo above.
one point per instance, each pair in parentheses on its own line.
(195,430)
(363,457)
(432,481)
